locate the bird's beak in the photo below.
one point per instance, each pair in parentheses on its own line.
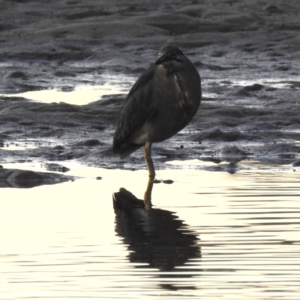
(163,58)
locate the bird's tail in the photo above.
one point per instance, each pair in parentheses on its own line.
(125,149)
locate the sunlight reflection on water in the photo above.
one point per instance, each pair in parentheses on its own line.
(108,84)
(80,95)
(236,237)
(112,84)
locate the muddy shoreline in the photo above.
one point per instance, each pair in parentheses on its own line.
(246,53)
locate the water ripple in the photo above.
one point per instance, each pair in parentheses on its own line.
(226,236)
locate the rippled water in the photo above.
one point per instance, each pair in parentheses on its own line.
(209,235)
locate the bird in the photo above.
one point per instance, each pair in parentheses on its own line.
(162,102)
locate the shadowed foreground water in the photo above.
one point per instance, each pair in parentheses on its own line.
(210,235)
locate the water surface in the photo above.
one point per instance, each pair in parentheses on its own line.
(209,235)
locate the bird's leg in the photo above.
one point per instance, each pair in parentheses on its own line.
(147,155)
(147,196)
(150,165)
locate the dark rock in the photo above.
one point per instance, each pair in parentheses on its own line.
(254,87)
(59,148)
(56,167)
(17,75)
(168,181)
(28,179)
(25,178)
(282,68)
(273,9)
(90,143)
(243,93)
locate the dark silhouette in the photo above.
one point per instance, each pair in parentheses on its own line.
(154,236)
(162,102)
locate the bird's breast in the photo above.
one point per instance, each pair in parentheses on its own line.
(170,95)
(166,86)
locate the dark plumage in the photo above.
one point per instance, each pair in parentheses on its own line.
(162,102)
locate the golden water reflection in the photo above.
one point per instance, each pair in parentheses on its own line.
(65,241)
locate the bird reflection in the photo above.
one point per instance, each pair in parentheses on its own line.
(155,237)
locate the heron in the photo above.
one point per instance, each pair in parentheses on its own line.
(162,102)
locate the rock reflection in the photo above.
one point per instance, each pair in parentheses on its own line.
(156,238)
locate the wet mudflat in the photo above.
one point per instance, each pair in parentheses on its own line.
(209,234)
(71,54)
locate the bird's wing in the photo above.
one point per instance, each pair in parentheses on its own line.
(136,109)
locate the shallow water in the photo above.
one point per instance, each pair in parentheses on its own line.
(209,235)
(81,93)
(109,83)
(79,96)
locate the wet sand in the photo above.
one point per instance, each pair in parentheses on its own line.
(247,54)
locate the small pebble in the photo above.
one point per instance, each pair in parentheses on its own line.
(59,147)
(168,181)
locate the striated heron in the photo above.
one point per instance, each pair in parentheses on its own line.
(162,102)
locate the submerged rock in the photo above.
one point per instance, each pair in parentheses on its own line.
(27,179)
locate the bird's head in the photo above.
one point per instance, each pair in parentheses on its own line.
(169,54)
